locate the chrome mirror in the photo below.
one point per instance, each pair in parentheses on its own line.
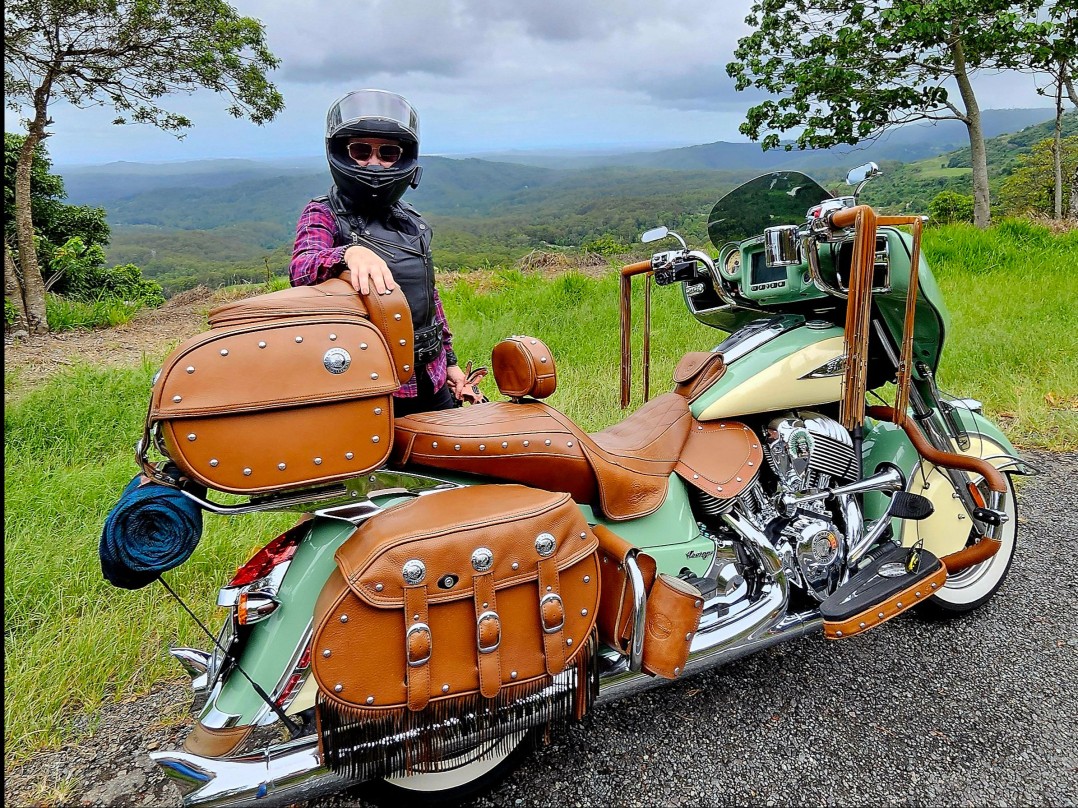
(655,234)
(862,173)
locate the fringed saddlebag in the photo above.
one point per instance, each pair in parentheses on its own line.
(453,623)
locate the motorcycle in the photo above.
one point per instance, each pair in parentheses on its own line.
(761,500)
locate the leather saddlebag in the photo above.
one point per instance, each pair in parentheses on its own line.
(285,390)
(462,618)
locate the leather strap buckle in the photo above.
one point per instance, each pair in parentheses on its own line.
(419,652)
(548,615)
(488,644)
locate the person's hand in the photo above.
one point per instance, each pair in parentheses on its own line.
(368,270)
(456,380)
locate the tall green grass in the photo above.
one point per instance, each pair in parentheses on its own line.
(1013,296)
(73,642)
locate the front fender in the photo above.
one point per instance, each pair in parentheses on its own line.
(947,530)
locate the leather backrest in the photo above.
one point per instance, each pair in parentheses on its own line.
(524,367)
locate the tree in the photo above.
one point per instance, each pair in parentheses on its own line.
(128,54)
(847,70)
(1031,187)
(1056,53)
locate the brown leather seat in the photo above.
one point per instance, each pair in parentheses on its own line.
(623,469)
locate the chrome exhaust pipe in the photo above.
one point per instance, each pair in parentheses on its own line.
(278,776)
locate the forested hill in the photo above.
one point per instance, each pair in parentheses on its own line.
(216,222)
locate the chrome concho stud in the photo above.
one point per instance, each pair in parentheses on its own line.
(336,360)
(414,572)
(545,544)
(482,559)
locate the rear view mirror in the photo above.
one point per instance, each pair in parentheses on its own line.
(862,173)
(655,234)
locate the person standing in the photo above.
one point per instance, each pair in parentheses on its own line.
(372,145)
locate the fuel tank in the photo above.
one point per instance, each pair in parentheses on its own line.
(776,363)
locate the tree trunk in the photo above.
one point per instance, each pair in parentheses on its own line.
(982,203)
(33,286)
(1074,195)
(13,289)
(1057,148)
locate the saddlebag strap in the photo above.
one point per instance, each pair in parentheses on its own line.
(552,616)
(417,644)
(488,635)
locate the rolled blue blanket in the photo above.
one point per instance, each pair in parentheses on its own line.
(152,529)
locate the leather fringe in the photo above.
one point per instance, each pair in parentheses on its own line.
(361,744)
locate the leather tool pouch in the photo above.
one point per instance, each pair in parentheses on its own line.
(696,372)
(616,607)
(428,343)
(465,611)
(285,390)
(673,616)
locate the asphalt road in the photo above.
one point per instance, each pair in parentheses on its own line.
(981,711)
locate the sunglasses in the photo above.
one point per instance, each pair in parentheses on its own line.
(363,152)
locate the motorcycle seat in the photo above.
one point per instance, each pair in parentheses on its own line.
(623,469)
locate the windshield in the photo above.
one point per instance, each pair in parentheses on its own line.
(781,197)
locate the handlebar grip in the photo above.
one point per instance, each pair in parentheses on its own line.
(846,217)
(635,269)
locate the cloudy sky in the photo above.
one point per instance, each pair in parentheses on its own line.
(486,75)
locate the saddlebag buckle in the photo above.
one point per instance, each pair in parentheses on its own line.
(488,632)
(419,644)
(552,613)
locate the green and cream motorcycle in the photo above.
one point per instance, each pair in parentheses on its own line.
(427,620)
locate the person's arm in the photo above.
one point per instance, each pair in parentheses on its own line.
(314,258)
(454,376)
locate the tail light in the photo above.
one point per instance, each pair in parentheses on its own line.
(295,681)
(254,606)
(276,552)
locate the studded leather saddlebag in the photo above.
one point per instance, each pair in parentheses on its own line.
(285,390)
(464,617)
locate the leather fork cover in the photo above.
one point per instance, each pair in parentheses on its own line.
(272,405)
(486,608)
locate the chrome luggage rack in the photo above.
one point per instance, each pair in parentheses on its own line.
(337,500)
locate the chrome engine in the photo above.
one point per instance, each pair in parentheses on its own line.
(807,452)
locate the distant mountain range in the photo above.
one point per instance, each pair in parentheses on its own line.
(103,184)
(216,221)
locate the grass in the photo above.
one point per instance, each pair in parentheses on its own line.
(74,643)
(65,314)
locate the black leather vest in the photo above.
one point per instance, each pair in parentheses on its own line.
(402,239)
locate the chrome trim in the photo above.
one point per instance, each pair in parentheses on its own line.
(636,643)
(280,775)
(891,479)
(759,332)
(194,661)
(265,715)
(211,717)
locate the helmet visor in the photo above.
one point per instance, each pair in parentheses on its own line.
(372,105)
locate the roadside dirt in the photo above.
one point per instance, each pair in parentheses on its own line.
(150,333)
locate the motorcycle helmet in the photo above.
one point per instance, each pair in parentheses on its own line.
(375,114)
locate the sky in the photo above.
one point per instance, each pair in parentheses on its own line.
(485,75)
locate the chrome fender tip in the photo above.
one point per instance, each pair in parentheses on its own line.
(279,775)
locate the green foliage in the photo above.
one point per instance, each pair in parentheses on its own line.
(130,53)
(1031,186)
(843,72)
(84,276)
(948,207)
(54,221)
(10,313)
(65,313)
